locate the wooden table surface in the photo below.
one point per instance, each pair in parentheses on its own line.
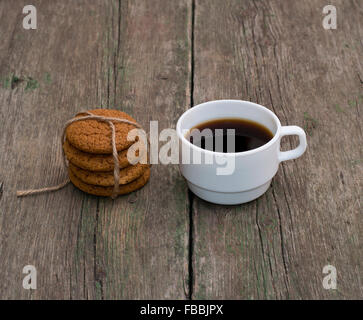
(154,59)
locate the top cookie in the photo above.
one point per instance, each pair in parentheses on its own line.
(94,136)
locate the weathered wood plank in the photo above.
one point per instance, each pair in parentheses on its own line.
(60,56)
(84,55)
(142,247)
(277,53)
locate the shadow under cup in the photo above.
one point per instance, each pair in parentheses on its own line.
(229,178)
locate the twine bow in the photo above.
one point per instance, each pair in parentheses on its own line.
(116,170)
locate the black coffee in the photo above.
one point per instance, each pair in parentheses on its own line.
(248,135)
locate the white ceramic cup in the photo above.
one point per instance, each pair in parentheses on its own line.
(253,169)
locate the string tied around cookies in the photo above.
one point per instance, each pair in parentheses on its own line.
(116,170)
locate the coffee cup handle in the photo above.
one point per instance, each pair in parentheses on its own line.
(299,150)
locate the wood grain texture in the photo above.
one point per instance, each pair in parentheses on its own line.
(143,247)
(151,59)
(277,53)
(128,55)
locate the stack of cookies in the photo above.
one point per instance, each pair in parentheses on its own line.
(88,148)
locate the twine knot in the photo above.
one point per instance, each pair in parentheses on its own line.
(116,170)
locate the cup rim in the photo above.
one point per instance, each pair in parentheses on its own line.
(242,153)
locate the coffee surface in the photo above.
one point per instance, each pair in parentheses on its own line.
(248,135)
